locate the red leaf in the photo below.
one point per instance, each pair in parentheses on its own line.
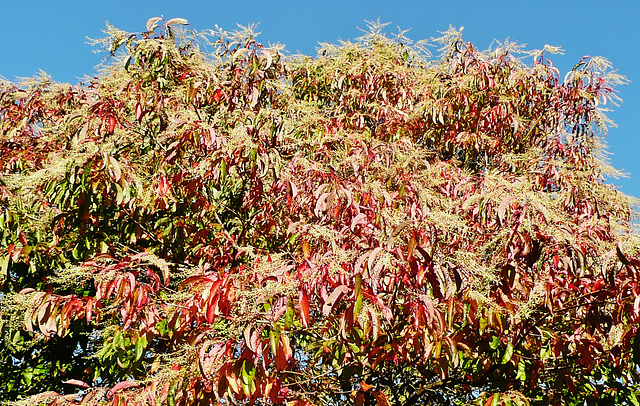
(598,285)
(232,380)
(217,95)
(278,309)
(112,124)
(139,112)
(321,204)
(211,311)
(284,353)
(77,382)
(333,297)
(212,303)
(357,220)
(247,338)
(286,346)
(120,386)
(294,190)
(381,398)
(255,95)
(304,308)
(165,391)
(89,309)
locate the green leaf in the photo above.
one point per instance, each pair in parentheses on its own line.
(508,354)
(27,376)
(163,327)
(522,374)
(118,340)
(495,342)
(483,325)
(223,171)
(115,165)
(127,62)
(141,344)
(248,373)
(16,337)
(274,336)
(289,317)
(359,296)
(75,252)
(4,266)
(119,194)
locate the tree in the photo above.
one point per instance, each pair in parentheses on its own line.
(209,222)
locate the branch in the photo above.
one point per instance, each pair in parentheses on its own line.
(424,388)
(336,370)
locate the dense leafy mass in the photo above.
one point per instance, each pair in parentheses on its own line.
(209,222)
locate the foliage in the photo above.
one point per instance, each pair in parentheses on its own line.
(209,222)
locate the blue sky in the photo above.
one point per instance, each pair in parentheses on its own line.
(50,35)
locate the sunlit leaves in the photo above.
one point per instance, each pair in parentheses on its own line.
(368,226)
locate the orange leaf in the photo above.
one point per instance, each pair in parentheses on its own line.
(232,380)
(284,353)
(365,386)
(493,400)
(286,346)
(300,402)
(381,398)
(217,95)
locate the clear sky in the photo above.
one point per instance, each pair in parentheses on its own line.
(50,35)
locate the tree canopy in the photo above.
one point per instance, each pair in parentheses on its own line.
(211,222)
